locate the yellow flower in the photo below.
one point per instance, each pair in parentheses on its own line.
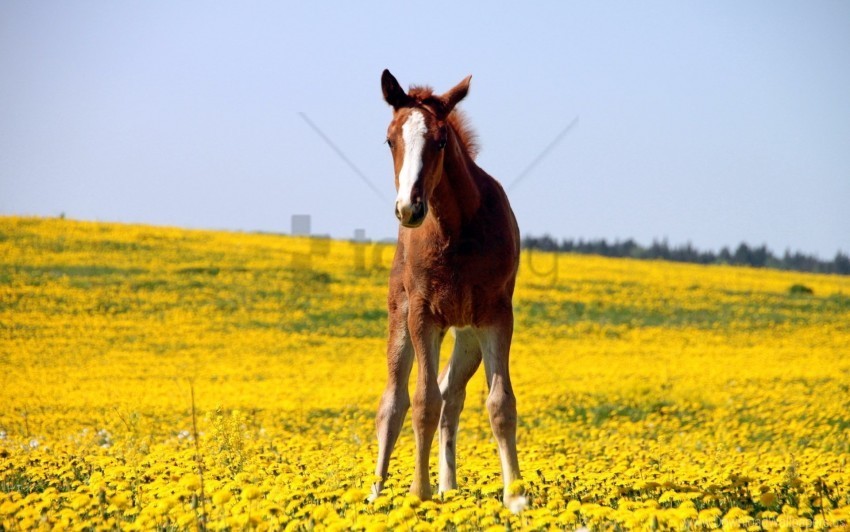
(320,513)
(222,496)
(191,482)
(354,495)
(250,493)
(517,487)
(412,501)
(120,500)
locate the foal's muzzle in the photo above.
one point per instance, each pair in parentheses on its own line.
(412,214)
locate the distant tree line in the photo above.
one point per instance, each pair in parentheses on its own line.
(759,257)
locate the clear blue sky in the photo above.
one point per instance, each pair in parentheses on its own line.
(712,122)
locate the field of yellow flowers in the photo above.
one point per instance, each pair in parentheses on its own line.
(164,378)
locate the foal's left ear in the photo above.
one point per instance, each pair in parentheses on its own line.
(456,94)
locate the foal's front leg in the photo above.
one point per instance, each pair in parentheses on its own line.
(395,400)
(426,337)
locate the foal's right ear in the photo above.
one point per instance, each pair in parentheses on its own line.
(393,93)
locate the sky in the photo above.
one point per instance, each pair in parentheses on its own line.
(704,122)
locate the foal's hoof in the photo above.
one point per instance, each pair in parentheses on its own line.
(516,503)
(423,492)
(374,494)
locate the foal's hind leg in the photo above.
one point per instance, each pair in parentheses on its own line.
(465,359)
(396,400)
(501,404)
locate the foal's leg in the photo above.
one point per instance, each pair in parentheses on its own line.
(501,404)
(396,400)
(466,357)
(426,338)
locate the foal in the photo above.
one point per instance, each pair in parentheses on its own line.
(455,267)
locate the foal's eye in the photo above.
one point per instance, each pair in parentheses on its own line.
(389,143)
(442,143)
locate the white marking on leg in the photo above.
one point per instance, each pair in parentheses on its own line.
(413,133)
(516,503)
(501,405)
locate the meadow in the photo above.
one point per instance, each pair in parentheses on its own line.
(160,378)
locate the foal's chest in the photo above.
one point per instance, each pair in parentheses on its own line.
(458,283)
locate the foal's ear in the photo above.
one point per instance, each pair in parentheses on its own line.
(393,93)
(456,94)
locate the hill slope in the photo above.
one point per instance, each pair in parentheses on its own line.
(648,392)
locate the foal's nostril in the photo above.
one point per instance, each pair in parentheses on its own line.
(410,214)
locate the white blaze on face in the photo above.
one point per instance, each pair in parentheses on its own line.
(413,133)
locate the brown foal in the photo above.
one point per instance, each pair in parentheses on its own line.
(455,267)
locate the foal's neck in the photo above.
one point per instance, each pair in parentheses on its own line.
(457,196)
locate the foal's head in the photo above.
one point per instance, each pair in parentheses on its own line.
(417,136)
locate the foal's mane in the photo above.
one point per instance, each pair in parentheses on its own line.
(424,96)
